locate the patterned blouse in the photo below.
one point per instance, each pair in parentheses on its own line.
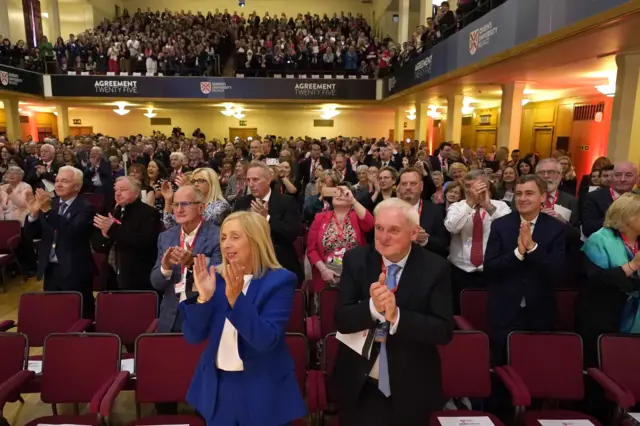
(334,240)
(215,212)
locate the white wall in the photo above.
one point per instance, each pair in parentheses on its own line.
(213,124)
(16,20)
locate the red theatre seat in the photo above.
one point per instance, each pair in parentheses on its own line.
(474,310)
(322,324)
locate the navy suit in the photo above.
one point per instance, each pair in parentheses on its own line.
(432,221)
(533,279)
(103,171)
(207,242)
(594,208)
(269,395)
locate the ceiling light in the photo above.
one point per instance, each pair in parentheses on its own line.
(525,101)
(608,89)
(238,115)
(467,109)
(121,108)
(411,115)
(55,113)
(150,113)
(228,112)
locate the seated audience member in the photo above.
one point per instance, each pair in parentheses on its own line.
(453,192)
(598,164)
(458,171)
(388,158)
(559,204)
(609,301)
(116,167)
(315,203)
(42,172)
(206,180)
(129,236)
(237,185)
(408,307)
(606,176)
(387,178)
(507,185)
(312,186)
(13,195)
(524,167)
(363,188)
(335,232)
(469,222)
(281,212)
(568,182)
(524,263)
(438,180)
(242,308)
(172,272)
(179,167)
(147,194)
(157,174)
(64,224)
(432,234)
(596,203)
(284,184)
(343,168)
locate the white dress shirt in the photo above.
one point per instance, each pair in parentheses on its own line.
(459,222)
(377,316)
(188,241)
(417,208)
(228,357)
(266,199)
(521,257)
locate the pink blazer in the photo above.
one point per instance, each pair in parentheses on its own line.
(315,250)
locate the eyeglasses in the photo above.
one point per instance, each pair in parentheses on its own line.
(547,172)
(184,204)
(200,181)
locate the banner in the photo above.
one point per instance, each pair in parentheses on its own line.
(416,71)
(17,80)
(212,88)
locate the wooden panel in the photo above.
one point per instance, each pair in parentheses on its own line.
(545,114)
(543,141)
(526,131)
(408,134)
(77,131)
(485,138)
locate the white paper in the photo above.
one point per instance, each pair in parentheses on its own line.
(635,416)
(35,366)
(3,255)
(593,188)
(562,211)
(128,365)
(355,341)
(48,185)
(466,421)
(580,422)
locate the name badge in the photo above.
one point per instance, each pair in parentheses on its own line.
(180,287)
(381,332)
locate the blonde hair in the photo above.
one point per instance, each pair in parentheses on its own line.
(215,192)
(625,208)
(258,232)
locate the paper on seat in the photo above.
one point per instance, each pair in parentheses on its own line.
(562,211)
(35,366)
(128,365)
(635,416)
(578,422)
(466,421)
(48,185)
(355,341)
(3,255)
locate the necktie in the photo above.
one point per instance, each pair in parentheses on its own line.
(476,240)
(62,208)
(383,375)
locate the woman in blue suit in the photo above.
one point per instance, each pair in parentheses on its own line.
(246,375)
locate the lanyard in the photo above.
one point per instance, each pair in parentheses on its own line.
(339,229)
(189,246)
(420,209)
(239,188)
(384,271)
(633,248)
(551,204)
(613,194)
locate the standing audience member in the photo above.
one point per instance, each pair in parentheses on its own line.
(524,263)
(147,194)
(237,185)
(13,195)
(469,222)
(64,224)
(559,204)
(42,172)
(387,291)
(129,237)
(308,165)
(281,212)
(97,176)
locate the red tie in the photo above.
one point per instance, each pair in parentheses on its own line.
(476,240)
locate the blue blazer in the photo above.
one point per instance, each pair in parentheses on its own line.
(207,242)
(261,318)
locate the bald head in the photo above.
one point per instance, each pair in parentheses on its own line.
(625,177)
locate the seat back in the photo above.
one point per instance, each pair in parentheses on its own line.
(549,363)
(76,365)
(14,351)
(298,313)
(297,344)
(99,279)
(464,363)
(96,200)
(328,301)
(164,366)
(474,304)
(618,355)
(40,314)
(125,313)
(329,355)
(565,310)
(8,229)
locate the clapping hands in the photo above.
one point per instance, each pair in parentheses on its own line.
(383,299)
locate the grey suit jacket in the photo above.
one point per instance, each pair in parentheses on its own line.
(207,242)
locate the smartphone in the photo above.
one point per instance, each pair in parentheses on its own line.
(273,161)
(330,192)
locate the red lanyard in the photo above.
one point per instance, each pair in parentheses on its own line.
(613,194)
(384,271)
(193,243)
(551,204)
(339,229)
(420,209)
(314,164)
(633,248)
(239,188)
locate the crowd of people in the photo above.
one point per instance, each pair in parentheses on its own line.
(517,225)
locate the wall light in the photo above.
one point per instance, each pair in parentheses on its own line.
(433,112)
(467,109)
(121,108)
(411,114)
(525,101)
(150,113)
(329,112)
(608,89)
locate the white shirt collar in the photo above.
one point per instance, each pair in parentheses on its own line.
(68,202)
(533,222)
(267,197)
(400,263)
(553,194)
(192,233)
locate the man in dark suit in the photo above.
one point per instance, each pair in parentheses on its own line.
(309,164)
(596,203)
(342,166)
(281,212)
(524,262)
(45,169)
(432,235)
(97,177)
(64,224)
(406,311)
(440,162)
(387,157)
(129,237)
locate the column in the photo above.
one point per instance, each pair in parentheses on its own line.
(624,135)
(403,21)
(398,131)
(422,122)
(63,122)
(511,115)
(453,132)
(54,21)
(5,29)
(12,116)
(426,11)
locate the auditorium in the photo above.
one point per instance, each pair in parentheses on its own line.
(297,213)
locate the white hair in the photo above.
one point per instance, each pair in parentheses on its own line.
(50,146)
(77,173)
(97,149)
(134,183)
(553,161)
(396,203)
(180,155)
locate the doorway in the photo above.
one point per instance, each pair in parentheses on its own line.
(242,133)
(79,131)
(408,134)
(485,138)
(543,141)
